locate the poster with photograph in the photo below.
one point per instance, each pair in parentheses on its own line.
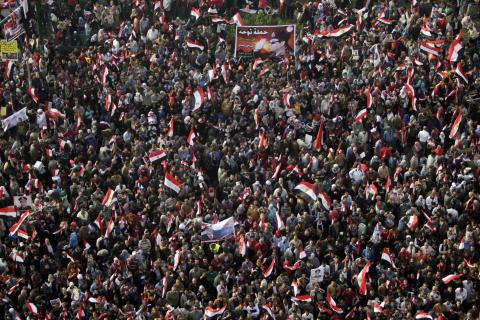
(22,202)
(265,41)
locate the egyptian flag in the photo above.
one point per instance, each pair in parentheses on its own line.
(32,308)
(78,122)
(362,280)
(176,259)
(199,99)
(210,94)
(326,202)
(295,287)
(296,265)
(286,100)
(280,224)
(194,45)
(224,71)
(242,248)
(172,183)
(423,315)
(212,74)
(359,21)
(23,234)
(372,190)
(157,155)
(191,137)
(388,257)
(32,93)
(333,304)
(360,115)
(459,72)
(451,277)
(7,73)
(388,184)
(425,30)
(385,21)
(108,101)
(269,311)
(257,63)
(277,171)
(219,20)
(8,212)
(429,48)
(238,20)
(211,312)
(377,308)
(14,228)
(108,199)
(369,99)
(170,129)
(268,271)
(412,221)
(336,32)
(455,127)
(264,70)
(104,75)
(110,226)
(307,189)
(454,49)
(262,143)
(304,298)
(318,143)
(196,13)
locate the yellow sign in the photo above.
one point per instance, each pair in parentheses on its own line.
(8,47)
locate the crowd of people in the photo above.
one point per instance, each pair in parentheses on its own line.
(350,169)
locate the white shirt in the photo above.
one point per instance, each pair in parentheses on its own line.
(423,136)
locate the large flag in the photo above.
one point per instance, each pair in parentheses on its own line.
(451,277)
(14,119)
(360,115)
(157,155)
(194,45)
(238,20)
(196,13)
(307,189)
(429,48)
(454,49)
(108,198)
(172,183)
(336,32)
(304,298)
(333,304)
(211,312)
(222,230)
(8,212)
(455,127)
(14,228)
(362,280)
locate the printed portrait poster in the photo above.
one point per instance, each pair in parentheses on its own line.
(265,41)
(23,201)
